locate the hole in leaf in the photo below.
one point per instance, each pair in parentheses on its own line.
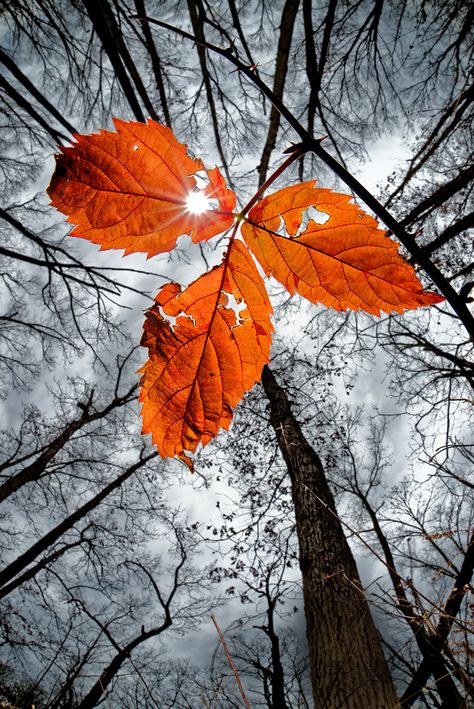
(197,202)
(315,215)
(237,304)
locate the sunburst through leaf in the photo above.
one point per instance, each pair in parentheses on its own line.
(197,202)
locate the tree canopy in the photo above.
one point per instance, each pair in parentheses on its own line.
(343,488)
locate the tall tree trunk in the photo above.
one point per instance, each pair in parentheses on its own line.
(95,11)
(196,13)
(155,61)
(347,663)
(287,24)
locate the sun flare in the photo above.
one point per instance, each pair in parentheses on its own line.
(197,202)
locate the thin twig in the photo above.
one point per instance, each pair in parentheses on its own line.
(231,663)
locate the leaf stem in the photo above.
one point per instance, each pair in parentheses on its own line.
(296,153)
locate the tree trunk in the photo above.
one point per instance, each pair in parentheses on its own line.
(196,11)
(347,663)
(29,86)
(460,587)
(287,24)
(26,105)
(99,23)
(99,689)
(155,61)
(278,700)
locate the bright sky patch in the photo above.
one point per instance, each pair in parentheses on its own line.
(197,202)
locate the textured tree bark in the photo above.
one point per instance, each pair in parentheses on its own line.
(347,663)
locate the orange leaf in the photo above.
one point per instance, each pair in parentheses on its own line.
(199,369)
(128,190)
(347,262)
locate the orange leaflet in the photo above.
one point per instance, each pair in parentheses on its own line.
(199,370)
(347,262)
(128,190)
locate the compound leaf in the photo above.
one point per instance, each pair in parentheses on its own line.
(136,189)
